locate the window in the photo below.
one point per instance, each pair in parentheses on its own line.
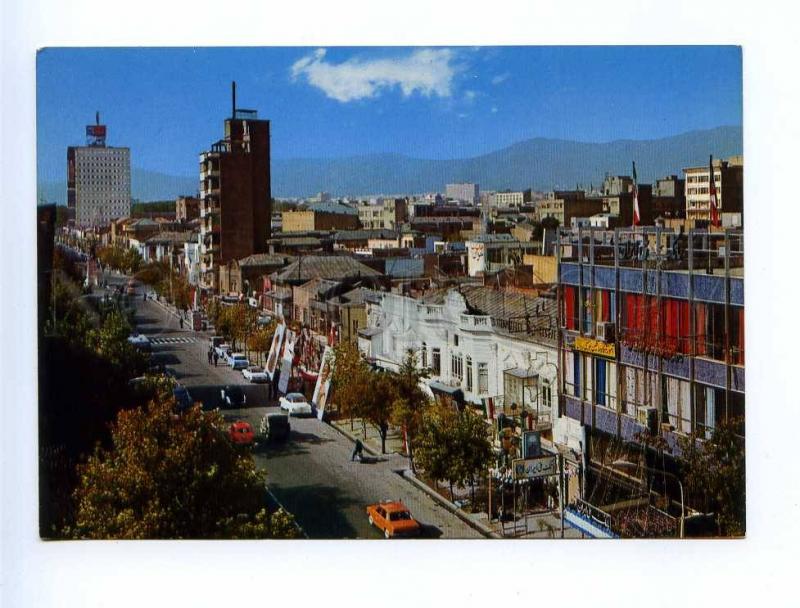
(455,339)
(483,378)
(457,366)
(424,355)
(547,395)
(437,362)
(469,374)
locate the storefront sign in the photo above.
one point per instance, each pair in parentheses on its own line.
(595,347)
(530,468)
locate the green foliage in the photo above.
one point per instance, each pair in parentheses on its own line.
(410,400)
(261,339)
(124,259)
(152,207)
(714,472)
(170,476)
(453,445)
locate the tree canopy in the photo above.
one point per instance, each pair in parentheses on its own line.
(173,476)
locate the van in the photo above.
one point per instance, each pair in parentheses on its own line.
(275,427)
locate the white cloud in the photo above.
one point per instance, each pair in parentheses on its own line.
(500,78)
(494,109)
(425,71)
(470,95)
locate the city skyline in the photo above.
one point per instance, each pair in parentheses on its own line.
(433,102)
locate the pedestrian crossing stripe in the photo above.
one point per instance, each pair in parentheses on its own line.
(172,340)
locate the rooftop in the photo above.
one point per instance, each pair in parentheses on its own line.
(305,268)
(265,259)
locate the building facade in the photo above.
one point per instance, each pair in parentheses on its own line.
(235,194)
(728,179)
(652,332)
(383,213)
(187,208)
(98,179)
(511,199)
(464,193)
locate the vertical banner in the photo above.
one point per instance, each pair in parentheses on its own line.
(274,350)
(286,362)
(323,382)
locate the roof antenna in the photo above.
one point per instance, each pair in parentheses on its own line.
(233,99)
(97,117)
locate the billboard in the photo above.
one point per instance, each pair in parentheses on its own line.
(286,362)
(274,350)
(323,382)
(95,135)
(530,468)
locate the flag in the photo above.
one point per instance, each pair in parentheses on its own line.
(637,218)
(712,194)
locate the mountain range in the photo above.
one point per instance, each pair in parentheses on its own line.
(539,163)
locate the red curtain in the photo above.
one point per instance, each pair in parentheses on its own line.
(569,307)
(685,330)
(671,323)
(700,328)
(606,312)
(634,313)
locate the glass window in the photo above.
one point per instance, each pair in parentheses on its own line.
(483,378)
(547,395)
(424,355)
(437,362)
(469,374)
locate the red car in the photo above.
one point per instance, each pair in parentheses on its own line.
(393,518)
(242,433)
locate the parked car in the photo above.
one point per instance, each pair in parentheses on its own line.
(255,374)
(242,433)
(275,427)
(232,397)
(394,518)
(238,361)
(182,398)
(222,350)
(295,404)
(141,342)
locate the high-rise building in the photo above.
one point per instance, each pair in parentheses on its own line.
(464,193)
(98,179)
(728,180)
(235,194)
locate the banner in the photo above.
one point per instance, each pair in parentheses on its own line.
(323,382)
(274,350)
(286,362)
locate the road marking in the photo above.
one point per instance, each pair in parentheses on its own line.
(172,340)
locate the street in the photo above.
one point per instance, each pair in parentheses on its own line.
(311,474)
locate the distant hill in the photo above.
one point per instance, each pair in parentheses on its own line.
(538,163)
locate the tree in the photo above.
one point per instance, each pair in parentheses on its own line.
(410,400)
(350,380)
(453,446)
(377,403)
(173,476)
(261,339)
(714,472)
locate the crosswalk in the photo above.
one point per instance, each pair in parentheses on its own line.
(173,340)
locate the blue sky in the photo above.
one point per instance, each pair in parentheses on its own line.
(168,105)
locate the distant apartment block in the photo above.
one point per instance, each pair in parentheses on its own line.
(98,179)
(187,208)
(512,199)
(563,205)
(728,178)
(320,216)
(235,193)
(378,213)
(464,193)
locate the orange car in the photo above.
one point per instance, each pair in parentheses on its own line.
(393,518)
(242,433)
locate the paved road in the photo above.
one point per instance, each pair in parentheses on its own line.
(311,474)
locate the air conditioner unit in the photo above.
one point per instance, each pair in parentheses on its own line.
(648,417)
(604,330)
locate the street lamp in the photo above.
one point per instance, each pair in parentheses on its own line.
(626,463)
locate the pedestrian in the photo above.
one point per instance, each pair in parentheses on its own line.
(144,297)
(210,354)
(216,358)
(357,450)
(180,320)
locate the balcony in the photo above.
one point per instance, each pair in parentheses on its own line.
(476,323)
(430,312)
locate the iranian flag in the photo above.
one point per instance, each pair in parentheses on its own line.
(637,218)
(712,194)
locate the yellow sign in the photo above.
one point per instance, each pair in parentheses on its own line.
(595,347)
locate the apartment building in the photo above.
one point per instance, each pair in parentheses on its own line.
(378,213)
(728,179)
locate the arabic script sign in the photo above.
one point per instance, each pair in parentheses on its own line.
(531,468)
(595,347)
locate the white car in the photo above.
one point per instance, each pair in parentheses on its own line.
(238,361)
(295,404)
(255,374)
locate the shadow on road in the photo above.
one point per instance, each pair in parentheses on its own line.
(318,509)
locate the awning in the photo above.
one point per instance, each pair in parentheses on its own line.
(521,373)
(443,389)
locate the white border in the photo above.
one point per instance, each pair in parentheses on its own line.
(749,572)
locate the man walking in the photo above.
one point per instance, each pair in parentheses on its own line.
(216,358)
(357,450)
(210,354)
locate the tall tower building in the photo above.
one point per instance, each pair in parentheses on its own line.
(98,179)
(235,194)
